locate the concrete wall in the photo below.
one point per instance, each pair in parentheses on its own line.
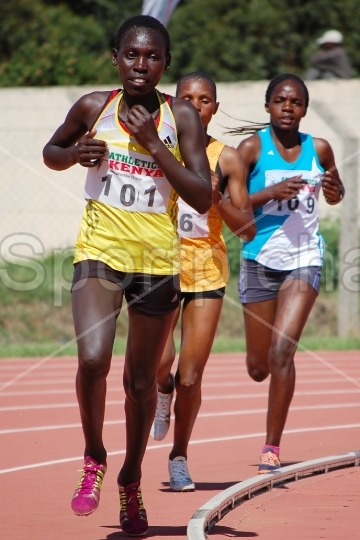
(43,207)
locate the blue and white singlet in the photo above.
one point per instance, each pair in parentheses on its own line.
(287,234)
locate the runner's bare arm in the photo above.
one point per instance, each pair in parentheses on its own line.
(236,211)
(332,186)
(191,182)
(72,143)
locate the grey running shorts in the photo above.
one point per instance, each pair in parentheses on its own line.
(258,283)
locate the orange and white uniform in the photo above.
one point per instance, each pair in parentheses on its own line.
(204,265)
(130,221)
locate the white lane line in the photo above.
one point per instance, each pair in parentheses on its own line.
(217,365)
(222,359)
(61,369)
(210,372)
(297,393)
(205,385)
(216,358)
(15,366)
(250,382)
(300,372)
(51,392)
(285,432)
(241,375)
(303,376)
(53,427)
(51,406)
(242,412)
(193,442)
(56,371)
(250,395)
(230,377)
(44,382)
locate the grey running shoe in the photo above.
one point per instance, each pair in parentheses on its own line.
(161,422)
(179,475)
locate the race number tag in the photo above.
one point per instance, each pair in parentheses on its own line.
(307,198)
(130,181)
(191,224)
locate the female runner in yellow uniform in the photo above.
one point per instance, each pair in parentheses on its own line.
(132,142)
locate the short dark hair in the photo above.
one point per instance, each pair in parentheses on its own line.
(143,21)
(286,77)
(197,76)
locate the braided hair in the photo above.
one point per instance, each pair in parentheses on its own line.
(253,127)
(143,21)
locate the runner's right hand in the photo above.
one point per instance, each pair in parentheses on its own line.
(216,195)
(90,152)
(287,189)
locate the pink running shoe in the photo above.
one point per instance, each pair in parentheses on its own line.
(87,494)
(133,518)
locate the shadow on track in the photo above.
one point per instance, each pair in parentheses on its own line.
(154,531)
(231,533)
(203,486)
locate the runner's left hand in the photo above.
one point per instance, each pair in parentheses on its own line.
(331,187)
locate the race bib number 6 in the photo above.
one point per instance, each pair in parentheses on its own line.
(190,223)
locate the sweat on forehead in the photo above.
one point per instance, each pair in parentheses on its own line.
(135,25)
(197,76)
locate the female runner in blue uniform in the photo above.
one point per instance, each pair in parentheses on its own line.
(132,141)
(281,268)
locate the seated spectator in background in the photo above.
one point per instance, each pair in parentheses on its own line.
(331,60)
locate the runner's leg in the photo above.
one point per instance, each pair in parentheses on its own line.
(146,341)
(163,377)
(295,301)
(198,328)
(96,304)
(259,319)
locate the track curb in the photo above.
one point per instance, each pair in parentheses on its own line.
(215,509)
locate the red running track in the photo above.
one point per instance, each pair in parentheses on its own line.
(42,444)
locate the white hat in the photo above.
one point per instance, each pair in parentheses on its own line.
(330,36)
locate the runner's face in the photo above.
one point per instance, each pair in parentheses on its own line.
(141,59)
(287,105)
(201,95)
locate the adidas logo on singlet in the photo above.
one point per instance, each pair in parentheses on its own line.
(168,143)
(270,153)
